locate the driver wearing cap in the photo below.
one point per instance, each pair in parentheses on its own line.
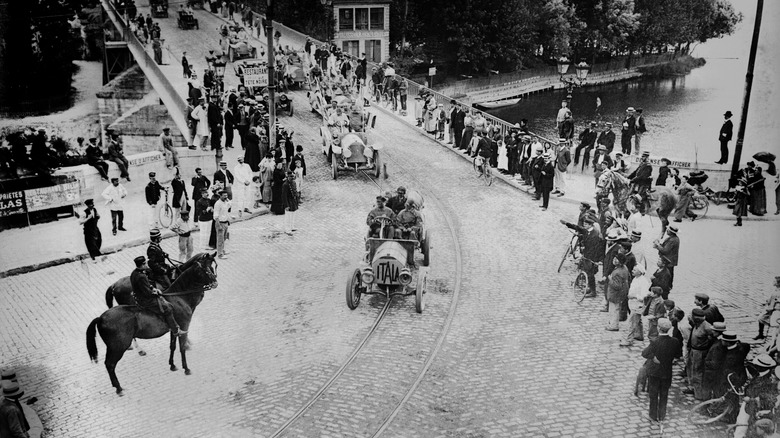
(374,223)
(398,202)
(150,298)
(409,222)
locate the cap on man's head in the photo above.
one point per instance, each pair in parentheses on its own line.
(152,174)
(719,326)
(223,163)
(223,192)
(381,198)
(609,124)
(166,129)
(669,303)
(593,123)
(585,204)
(645,154)
(401,189)
(698,312)
(701,296)
(89,201)
(240,159)
(154,232)
(204,190)
(114,179)
(12,389)
(618,154)
(140,260)
(664,325)
(630,109)
(561,140)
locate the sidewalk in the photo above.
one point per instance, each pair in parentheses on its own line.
(62,241)
(580,185)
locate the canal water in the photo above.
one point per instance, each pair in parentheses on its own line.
(684,114)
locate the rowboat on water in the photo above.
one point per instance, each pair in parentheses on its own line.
(498,103)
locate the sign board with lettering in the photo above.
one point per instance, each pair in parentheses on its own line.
(12,203)
(45,198)
(432,71)
(674,163)
(256,76)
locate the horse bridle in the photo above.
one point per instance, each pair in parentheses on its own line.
(203,288)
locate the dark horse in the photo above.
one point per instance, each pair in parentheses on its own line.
(661,200)
(122,292)
(119,325)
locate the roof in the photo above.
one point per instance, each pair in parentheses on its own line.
(361,2)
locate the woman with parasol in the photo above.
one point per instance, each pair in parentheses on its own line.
(769,159)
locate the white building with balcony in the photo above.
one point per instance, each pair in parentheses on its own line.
(363,26)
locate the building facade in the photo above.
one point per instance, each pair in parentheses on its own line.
(363,26)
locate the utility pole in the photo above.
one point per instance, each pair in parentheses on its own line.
(269,31)
(746,98)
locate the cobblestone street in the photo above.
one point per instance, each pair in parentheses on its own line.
(501,350)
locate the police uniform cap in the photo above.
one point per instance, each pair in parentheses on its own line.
(140,260)
(646,154)
(154,233)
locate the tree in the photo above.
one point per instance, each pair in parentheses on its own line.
(560,28)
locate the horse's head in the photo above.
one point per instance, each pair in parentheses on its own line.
(207,269)
(604,183)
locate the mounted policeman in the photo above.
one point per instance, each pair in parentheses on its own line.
(150,298)
(160,271)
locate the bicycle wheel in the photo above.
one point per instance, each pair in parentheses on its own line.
(166,216)
(705,207)
(488,174)
(702,413)
(563,259)
(580,287)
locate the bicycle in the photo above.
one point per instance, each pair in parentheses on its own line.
(699,201)
(571,249)
(720,197)
(166,212)
(483,170)
(580,283)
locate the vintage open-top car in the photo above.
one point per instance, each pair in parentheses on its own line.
(186,20)
(235,42)
(159,8)
(389,269)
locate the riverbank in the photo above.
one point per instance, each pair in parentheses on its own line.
(679,66)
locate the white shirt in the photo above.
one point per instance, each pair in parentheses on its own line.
(638,250)
(242,173)
(633,222)
(114,197)
(389,71)
(222,210)
(202,116)
(640,288)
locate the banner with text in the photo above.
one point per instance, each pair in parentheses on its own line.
(12,203)
(52,197)
(256,76)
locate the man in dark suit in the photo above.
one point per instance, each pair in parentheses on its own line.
(627,130)
(224,176)
(660,355)
(216,121)
(457,117)
(587,142)
(607,138)
(669,248)
(725,138)
(199,182)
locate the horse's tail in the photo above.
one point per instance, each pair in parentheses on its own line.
(110,296)
(91,346)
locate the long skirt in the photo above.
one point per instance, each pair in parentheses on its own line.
(465,141)
(758,201)
(740,206)
(277,203)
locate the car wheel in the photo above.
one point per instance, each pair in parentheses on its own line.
(353,290)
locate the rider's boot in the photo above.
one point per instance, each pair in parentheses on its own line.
(175,329)
(760,332)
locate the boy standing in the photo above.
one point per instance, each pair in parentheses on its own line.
(183,228)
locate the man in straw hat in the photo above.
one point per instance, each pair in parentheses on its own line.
(627,130)
(660,355)
(725,357)
(713,361)
(13,423)
(763,387)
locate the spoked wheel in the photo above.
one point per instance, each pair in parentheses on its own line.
(426,249)
(334,167)
(701,203)
(709,411)
(580,287)
(563,259)
(353,290)
(419,296)
(488,174)
(166,216)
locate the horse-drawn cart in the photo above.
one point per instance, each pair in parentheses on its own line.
(389,269)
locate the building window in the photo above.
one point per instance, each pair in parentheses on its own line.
(361,18)
(377,19)
(346,19)
(374,50)
(350,47)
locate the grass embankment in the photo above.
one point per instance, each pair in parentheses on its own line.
(680,66)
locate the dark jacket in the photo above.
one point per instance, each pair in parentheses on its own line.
(13,423)
(712,314)
(607,138)
(593,246)
(153,192)
(665,349)
(179,189)
(220,176)
(157,256)
(302,159)
(201,210)
(588,137)
(642,175)
(199,183)
(396,203)
(726,131)
(142,288)
(546,178)
(663,279)
(566,129)
(617,285)
(663,174)
(670,249)
(629,126)
(214,114)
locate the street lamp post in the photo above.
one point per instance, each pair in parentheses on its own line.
(581,73)
(269,31)
(219,72)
